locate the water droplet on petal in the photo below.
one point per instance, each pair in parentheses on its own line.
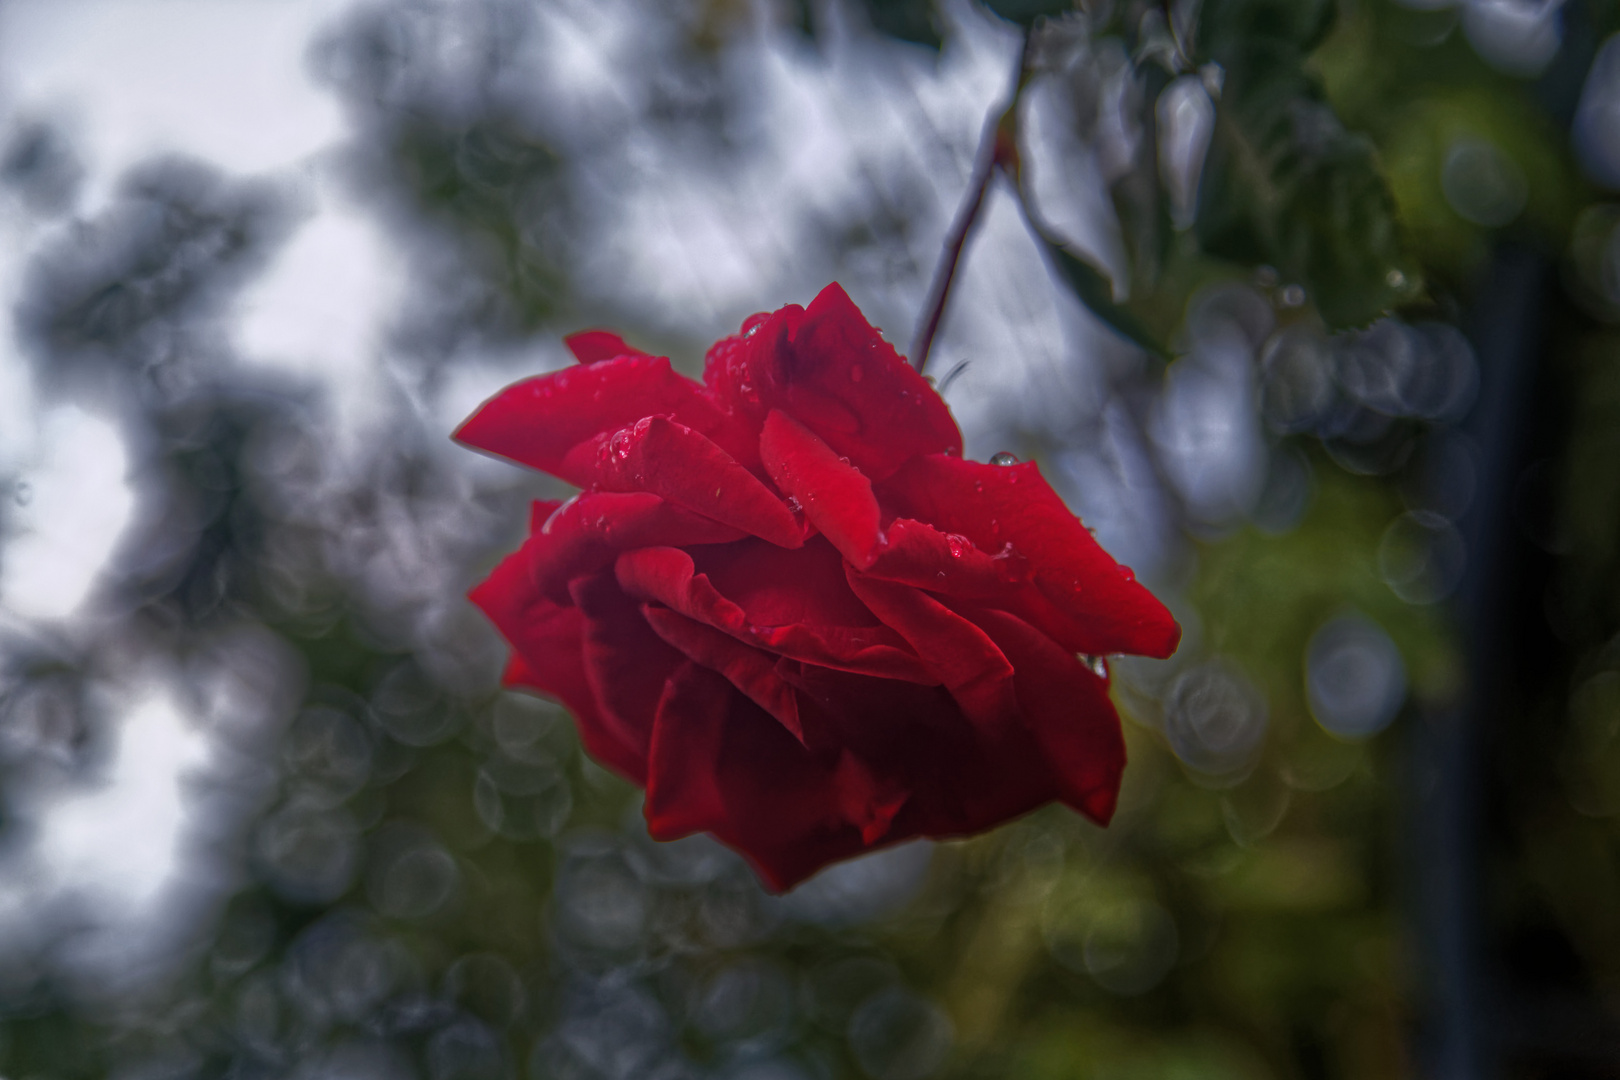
(1005,457)
(794,505)
(1011,567)
(1125,573)
(931,381)
(620,444)
(958,544)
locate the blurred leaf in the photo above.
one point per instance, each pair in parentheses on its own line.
(498,182)
(1285,183)
(908,20)
(1096,292)
(1025,12)
(1302,24)
(800,17)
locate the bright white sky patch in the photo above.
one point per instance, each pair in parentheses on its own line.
(117,842)
(69,511)
(225,81)
(321,307)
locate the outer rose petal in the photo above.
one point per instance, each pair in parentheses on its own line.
(956,652)
(920,555)
(832,371)
(547,639)
(625,662)
(668,576)
(536,422)
(1066,706)
(719,764)
(594,346)
(836,498)
(1094,604)
(675,462)
(587,532)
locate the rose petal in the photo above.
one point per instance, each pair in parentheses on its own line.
(668,576)
(919,555)
(748,669)
(587,532)
(866,801)
(834,495)
(537,422)
(775,587)
(625,662)
(962,777)
(955,651)
(683,777)
(594,346)
(1067,709)
(832,371)
(1094,605)
(548,641)
(719,764)
(540,511)
(684,466)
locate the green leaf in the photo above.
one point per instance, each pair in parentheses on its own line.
(1096,292)
(909,20)
(1285,183)
(1025,12)
(1301,24)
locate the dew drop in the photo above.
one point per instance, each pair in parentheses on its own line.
(1011,567)
(1005,457)
(958,544)
(620,444)
(794,505)
(1125,573)
(931,381)
(717,492)
(1292,296)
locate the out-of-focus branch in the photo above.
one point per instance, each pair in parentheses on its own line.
(997,146)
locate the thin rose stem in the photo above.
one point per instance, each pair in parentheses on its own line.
(967,214)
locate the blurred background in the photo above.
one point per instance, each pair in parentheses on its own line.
(1311,309)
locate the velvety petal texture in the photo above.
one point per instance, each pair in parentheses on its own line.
(784,604)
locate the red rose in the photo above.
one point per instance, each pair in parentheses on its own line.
(786,606)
